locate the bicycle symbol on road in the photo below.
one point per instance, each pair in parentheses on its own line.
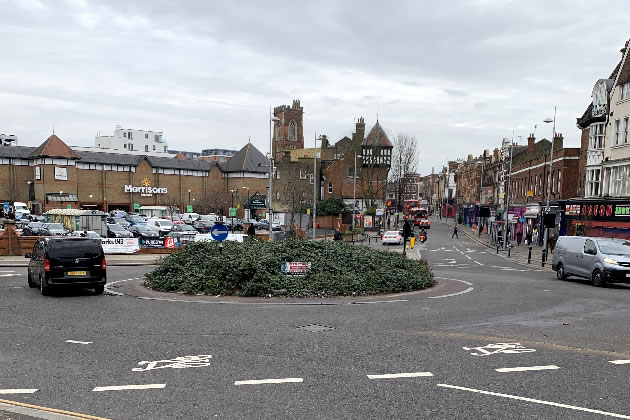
(510,348)
(181,362)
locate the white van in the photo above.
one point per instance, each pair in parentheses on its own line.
(189,218)
(210,218)
(161,226)
(21,208)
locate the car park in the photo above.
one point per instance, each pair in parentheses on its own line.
(53,229)
(600,260)
(114,230)
(57,262)
(161,226)
(392,237)
(86,234)
(143,231)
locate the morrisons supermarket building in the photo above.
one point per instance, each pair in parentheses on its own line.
(54,175)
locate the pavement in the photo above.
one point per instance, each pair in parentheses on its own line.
(494,340)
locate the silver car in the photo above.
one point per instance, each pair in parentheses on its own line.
(601,260)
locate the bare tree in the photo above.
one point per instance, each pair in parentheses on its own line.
(298,196)
(172,204)
(404,163)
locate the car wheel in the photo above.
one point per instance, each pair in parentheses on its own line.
(29,279)
(597,278)
(43,288)
(560,272)
(98,290)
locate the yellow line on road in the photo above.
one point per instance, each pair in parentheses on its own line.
(53,410)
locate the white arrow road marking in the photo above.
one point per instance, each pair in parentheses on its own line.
(128,387)
(18,391)
(532,400)
(269,381)
(400,375)
(78,342)
(526,368)
(620,362)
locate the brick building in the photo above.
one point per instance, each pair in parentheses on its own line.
(288,131)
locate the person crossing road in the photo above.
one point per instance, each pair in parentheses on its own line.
(455,233)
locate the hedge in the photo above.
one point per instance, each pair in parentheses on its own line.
(253,268)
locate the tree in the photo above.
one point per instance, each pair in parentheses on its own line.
(298,196)
(173,204)
(404,163)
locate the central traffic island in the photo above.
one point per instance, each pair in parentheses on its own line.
(292,268)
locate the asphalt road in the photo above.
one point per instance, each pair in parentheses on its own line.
(494,339)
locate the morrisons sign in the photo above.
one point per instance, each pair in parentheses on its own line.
(145,188)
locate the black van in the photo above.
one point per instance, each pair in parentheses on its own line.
(67,262)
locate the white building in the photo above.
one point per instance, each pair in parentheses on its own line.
(8,140)
(130,140)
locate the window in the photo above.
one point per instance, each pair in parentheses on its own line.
(130,136)
(165,149)
(617,123)
(277,195)
(311,179)
(596,140)
(292,131)
(146,147)
(625,130)
(350,172)
(154,147)
(125,135)
(625,91)
(130,146)
(277,174)
(558,190)
(589,247)
(302,174)
(146,136)
(330,189)
(125,145)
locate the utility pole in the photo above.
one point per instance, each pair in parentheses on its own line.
(507,199)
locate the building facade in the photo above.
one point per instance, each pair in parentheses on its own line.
(288,130)
(126,139)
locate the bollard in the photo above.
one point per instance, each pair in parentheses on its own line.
(529,255)
(544,257)
(497,248)
(509,251)
(368,240)
(412,241)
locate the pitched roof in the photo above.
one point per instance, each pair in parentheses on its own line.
(377,137)
(623,76)
(248,159)
(16,152)
(54,147)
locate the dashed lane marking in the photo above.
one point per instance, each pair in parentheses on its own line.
(526,368)
(467,256)
(532,400)
(478,263)
(78,342)
(128,387)
(18,391)
(269,381)
(400,375)
(620,362)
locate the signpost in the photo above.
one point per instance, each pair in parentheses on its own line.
(136,206)
(257,201)
(189,208)
(219,232)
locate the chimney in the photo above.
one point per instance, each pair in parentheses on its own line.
(360,128)
(558,142)
(531,140)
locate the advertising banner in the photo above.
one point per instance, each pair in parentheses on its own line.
(206,237)
(152,243)
(367,222)
(120,245)
(61,174)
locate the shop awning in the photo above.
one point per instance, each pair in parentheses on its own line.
(61,197)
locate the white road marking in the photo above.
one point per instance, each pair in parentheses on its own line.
(128,387)
(478,263)
(620,362)
(18,391)
(78,342)
(268,381)
(400,375)
(532,400)
(467,257)
(526,368)
(7,271)
(10,275)
(380,301)
(112,283)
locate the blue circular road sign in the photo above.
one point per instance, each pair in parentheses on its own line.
(219,232)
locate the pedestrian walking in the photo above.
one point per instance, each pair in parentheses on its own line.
(337,236)
(251,231)
(455,233)
(389,223)
(519,237)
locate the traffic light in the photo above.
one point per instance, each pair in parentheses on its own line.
(389,204)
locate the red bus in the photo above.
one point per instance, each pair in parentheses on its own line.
(410,204)
(420,217)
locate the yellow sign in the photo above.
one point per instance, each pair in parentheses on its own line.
(501,195)
(145,182)
(308,211)
(530,193)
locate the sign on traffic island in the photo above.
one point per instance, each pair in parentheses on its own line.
(295,268)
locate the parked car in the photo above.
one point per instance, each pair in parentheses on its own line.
(209,218)
(601,260)
(392,237)
(114,230)
(189,218)
(58,262)
(32,229)
(183,230)
(86,234)
(143,231)
(21,208)
(118,214)
(134,219)
(264,224)
(238,223)
(122,222)
(202,227)
(161,226)
(53,229)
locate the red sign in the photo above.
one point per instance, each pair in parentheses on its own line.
(169,242)
(295,267)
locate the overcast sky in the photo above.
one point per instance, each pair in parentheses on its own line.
(457,75)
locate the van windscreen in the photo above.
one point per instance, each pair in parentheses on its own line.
(614,247)
(73,248)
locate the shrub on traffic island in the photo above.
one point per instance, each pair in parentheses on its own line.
(253,268)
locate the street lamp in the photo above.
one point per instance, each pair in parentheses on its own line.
(272,120)
(549,120)
(248,205)
(232,224)
(315,179)
(354,192)
(189,197)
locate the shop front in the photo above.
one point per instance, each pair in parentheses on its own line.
(604,218)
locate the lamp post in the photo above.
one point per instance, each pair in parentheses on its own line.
(189,197)
(248,209)
(272,119)
(315,178)
(354,192)
(507,198)
(547,209)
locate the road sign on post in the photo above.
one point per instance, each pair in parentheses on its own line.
(136,206)
(257,201)
(219,232)
(189,209)
(232,211)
